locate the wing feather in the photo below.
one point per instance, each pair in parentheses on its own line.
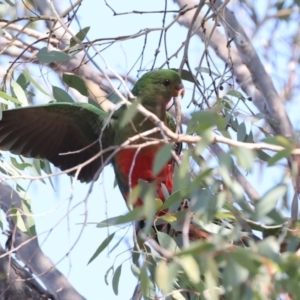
(50,130)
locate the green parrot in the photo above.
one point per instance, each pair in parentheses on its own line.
(68,134)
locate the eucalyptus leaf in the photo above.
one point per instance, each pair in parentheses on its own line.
(167,242)
(116,279)
(76,83)
(102,246)
(48,57)
(130,112)
(9,98)
(162,157)
(162,277)
(60,95)
(80,36)
(269,201)
(241,133)
(19,93)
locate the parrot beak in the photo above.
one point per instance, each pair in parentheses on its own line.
(179,90)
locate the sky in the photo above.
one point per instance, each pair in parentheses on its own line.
(59,227)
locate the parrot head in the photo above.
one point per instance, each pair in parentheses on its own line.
(158,87)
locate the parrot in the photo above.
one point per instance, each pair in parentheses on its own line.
(69,134)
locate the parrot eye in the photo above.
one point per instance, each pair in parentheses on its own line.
(166,82)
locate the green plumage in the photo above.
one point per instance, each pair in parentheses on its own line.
(50,130)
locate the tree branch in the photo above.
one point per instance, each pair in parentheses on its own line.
(28,251)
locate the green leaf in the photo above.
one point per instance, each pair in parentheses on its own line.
(26,209)
(117,244)
(186,75)
(80,35)
(130,112)
(23,81)
(116,278)
(206,70)
(265,132)
(76,83)
(278,156)
(176,295)
(203,120)
(18,219)
(269,201)
(162,278)
(96,104)
(191,268)
(133,215)
(241,133)
(9,98)
(263,155)
(249,137)
(168,218)
(114,98)
(162,157)
(10,3)
(29,78)
(19,93)
(245,157)
(211,279)
(257,117)
(279,141)
(167,242)
(270,248)
(236,94)
(197,248)
(48,57)
(136,271)
(234,274)
(107,273)
(20,166)
(174,199)
(60,95)
(246,259)
(147,286)
(103,245)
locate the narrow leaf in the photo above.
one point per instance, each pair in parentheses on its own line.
(60,95)
(20,166)
(241,133)
(76,83)
(80,35)
(269,201)
(191,268)
(103,245)
(46,56)
(162,157)
(116,278)
(206,70)
(278,156)
(162,278)
(133,215)
(234,274)
(9,98)
(19,93)
(129,113)
(167,242)
(236,94)
(29,78)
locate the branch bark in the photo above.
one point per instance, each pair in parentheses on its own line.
(247,67)
(28,251)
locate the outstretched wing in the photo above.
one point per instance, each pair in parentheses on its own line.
(50,130)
